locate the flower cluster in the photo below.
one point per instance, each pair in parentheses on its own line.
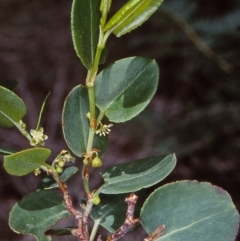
(60,161)
(103,130)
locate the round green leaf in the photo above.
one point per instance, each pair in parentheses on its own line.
(191,211)
(85,20)
(25,162)
(36,212)
(12,108)
(132,15)
(133,176)
(76,124)
(126,87)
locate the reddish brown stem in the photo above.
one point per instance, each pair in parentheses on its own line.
(80,232)
(129,222)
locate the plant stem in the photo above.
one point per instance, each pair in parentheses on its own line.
(23,131)
(93,72)
(94,230)
(93,122)
(91,96)
(100,116)
(90,140)
(90,83)
(85,177)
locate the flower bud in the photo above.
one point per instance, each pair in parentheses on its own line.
(61,163)
(96,200)
(58,169)
(96,162)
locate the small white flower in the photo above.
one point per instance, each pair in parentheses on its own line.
(103,130)
(38,137)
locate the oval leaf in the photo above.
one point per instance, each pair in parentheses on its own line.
(126,87)
(191,211)
(133,176)
(12,108)
(76,124)
(25,162)
(85,20)
(36,212)
(132,15)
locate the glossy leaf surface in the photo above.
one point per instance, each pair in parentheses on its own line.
(76,124)
(25,162)
(36,212)
(132,15)
(191,211)
(12,108)
(111,212)
(125,88)
(85,20)
(49,183)
(133,176)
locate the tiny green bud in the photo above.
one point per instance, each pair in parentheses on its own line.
(37,171)
(24,132)
(88,115)
(85,161)
(96,200)
(22,125)
(58,169)
(96,162)
(61,163)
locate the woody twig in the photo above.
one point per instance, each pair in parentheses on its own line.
(129,222)
(80,232)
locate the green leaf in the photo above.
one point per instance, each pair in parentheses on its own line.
(85,20)
(191,211)
(6,151)
(9,84)
(49,183)
(36,212)
(25,162)
(111,212)
(133,176)
(43,108)
(126,87)
(132,15)
(76,124)
(12,108)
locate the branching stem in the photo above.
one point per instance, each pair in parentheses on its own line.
(129,222)
(81,232)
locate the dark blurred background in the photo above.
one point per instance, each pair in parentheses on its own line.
(195,113)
